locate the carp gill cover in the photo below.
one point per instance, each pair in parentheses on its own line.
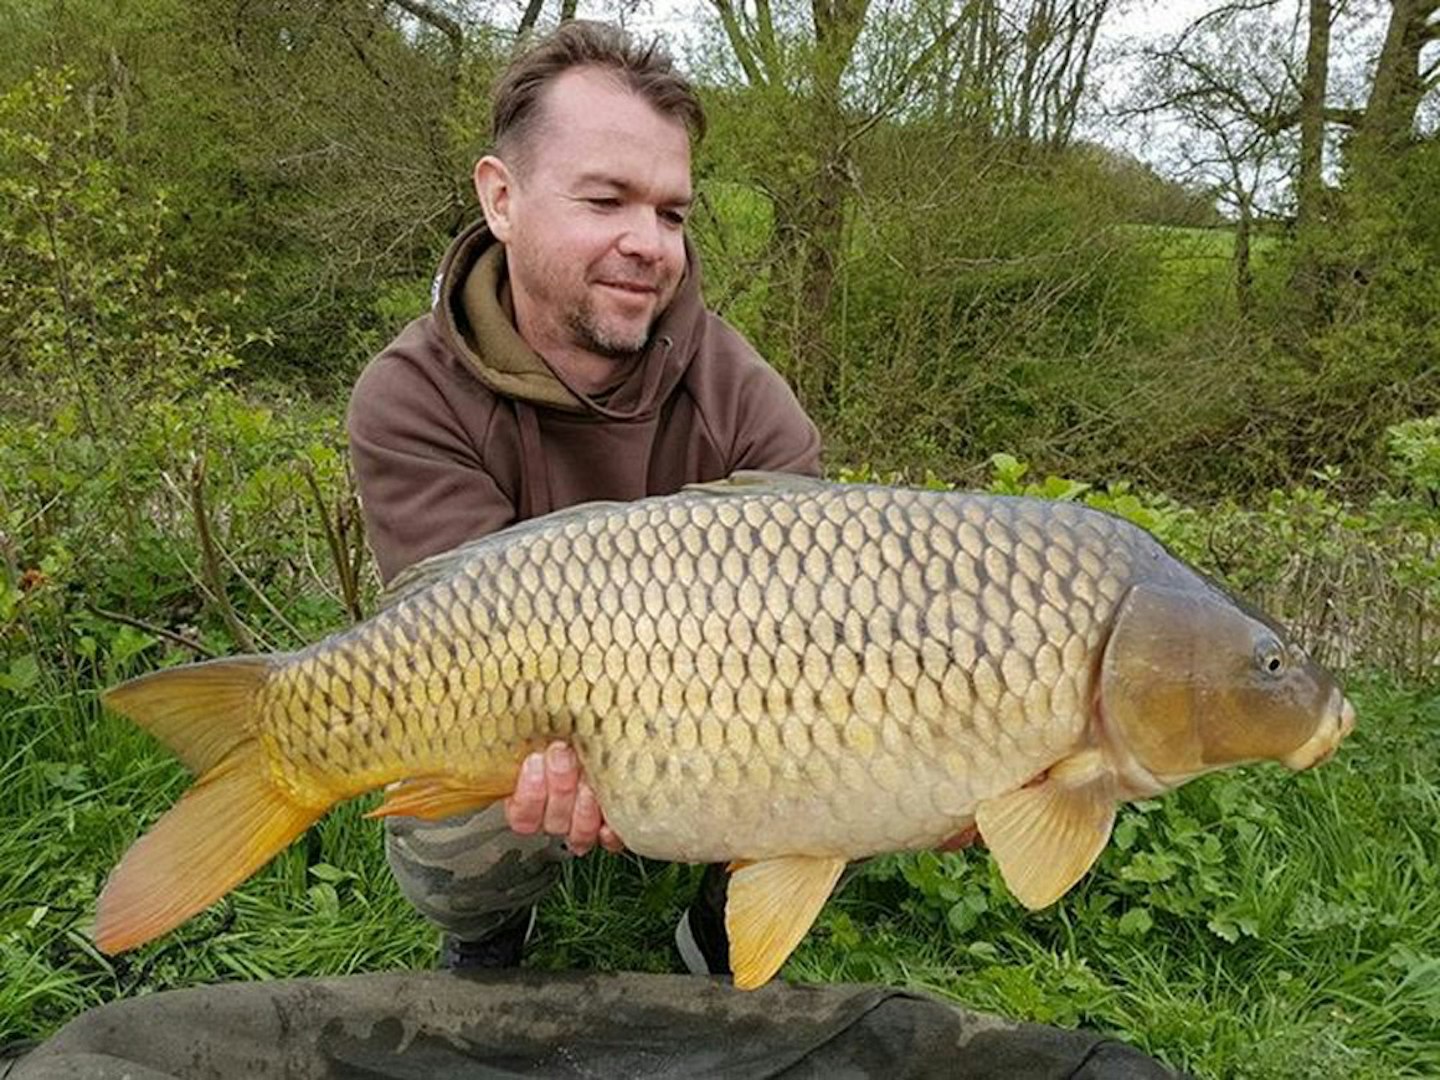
(775,672)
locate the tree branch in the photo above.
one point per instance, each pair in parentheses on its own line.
(743,52)
(912,70)
(433,17)
(334,531)
(210,560)
(151,628)
(360,54)
(1222,13)
(765,19)
(530,17)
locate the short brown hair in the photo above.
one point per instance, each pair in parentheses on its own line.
(646,70)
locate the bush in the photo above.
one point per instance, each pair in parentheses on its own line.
(124,436)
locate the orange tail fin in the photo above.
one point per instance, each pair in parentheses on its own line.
(231,823)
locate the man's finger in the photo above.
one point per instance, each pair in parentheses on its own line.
(525,808)
(585,822)
(610,840)
(961,840)
(562,780)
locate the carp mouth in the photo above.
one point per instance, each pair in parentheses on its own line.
(1321,747)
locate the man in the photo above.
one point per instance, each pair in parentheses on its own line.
(567,357)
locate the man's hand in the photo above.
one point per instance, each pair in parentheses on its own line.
(551,796)
(962,840)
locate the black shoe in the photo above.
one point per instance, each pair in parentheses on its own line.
(502,949)
(700,935)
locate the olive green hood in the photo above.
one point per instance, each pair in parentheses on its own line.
(477,316)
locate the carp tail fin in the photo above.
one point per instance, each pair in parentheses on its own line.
(200,711)
(233,820)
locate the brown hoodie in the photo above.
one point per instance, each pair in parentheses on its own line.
(458,428)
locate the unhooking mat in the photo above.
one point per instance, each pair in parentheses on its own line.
(492,1025)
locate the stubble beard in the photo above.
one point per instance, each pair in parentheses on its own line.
(591,334)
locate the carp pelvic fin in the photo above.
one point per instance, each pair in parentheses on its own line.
(231,823)
(436,797)
(1045,836)
(771,905)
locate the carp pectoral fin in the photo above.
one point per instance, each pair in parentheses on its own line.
(1045,836)
(437,797)
(231,823)
(770,906)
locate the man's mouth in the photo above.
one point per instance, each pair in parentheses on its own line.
(635,288)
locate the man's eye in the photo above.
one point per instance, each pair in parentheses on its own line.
(605,202)
(672,217)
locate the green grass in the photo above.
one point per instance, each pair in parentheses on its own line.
(1196,278)
(1254,924)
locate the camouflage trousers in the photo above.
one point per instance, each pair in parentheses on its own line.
(469,875)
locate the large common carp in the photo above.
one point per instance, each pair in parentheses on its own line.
(780,673)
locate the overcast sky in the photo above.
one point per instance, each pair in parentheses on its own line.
(1130,25)
(1133,22)
(675,18)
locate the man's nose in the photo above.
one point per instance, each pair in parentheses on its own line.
(641,236)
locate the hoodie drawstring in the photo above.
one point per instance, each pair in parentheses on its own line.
(534,476)
(645,402)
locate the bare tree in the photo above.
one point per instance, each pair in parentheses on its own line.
(1018,69)
(838,69)
(1228,81)
(809,201)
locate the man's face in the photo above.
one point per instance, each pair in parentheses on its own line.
(592,215)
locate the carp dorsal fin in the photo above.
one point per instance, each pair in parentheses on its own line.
(421,575)
(768,909)
(758,482)
(1044,836)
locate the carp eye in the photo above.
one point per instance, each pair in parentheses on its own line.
(1270,657)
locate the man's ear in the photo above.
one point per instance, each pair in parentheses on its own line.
(494,185)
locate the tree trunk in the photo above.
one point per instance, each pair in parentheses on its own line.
(1389,121)
(1306,282)
(528,18)
(810,215)
(1311,180)
(809,229)
(1244,276)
